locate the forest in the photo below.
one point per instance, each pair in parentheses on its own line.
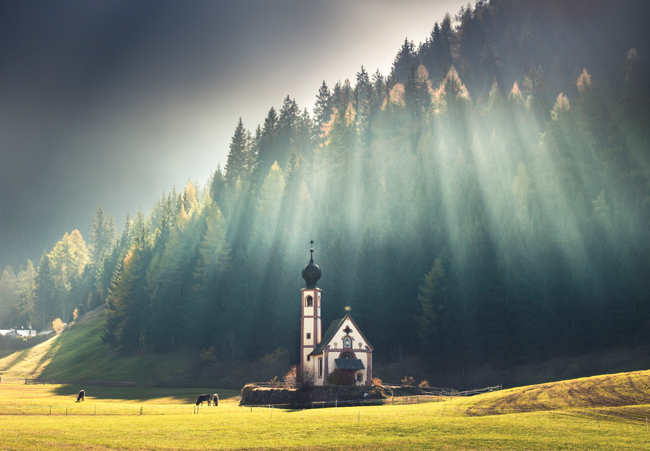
(485,202)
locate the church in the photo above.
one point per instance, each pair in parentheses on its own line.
(342,347)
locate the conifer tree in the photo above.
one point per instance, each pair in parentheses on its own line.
(267,144)
(102,236)
(8,297)
(323,107)
(404,60)
(45,294)
(25,293)
(236,165)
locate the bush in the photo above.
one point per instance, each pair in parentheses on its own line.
(408,381)
(297,378)
(424,384)
(338,377)
(58,326)
(376,382)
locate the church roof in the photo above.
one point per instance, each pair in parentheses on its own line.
(349,364)
(331,331)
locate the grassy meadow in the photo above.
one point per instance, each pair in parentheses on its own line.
(596,413)
(532,418)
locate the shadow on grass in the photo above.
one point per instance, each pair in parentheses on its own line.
(145,394)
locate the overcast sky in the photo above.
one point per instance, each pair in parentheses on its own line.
(113,102)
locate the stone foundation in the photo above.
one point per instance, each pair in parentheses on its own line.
(253,395)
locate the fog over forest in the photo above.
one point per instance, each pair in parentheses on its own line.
(484,204)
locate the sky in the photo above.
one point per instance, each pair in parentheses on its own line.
(114,102)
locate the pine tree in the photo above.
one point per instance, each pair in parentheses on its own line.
(236,166)
(25,293)
(267,145)
(8,297)
(211,264)
(405,59)
(102,237)
(45,293)
(433,301)
(288,122)
(363,82)
(323,107)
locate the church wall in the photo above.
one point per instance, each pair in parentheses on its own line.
(357,347)
(365,357)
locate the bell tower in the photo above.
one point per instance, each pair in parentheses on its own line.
(310,322)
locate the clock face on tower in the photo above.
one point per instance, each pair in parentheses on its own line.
(309,301)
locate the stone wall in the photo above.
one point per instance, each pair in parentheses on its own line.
(254,395)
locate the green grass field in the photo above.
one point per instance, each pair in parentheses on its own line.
(597,413)
(111,419)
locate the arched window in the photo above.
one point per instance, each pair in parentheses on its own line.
(309,302)
(347,342)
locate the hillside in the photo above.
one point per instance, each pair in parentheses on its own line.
(78,353)
(597,392)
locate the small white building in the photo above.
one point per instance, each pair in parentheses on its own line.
(26,333)
(343,346)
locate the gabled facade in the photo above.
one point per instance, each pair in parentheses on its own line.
(343,346)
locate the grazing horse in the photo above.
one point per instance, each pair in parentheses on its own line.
(202,398)
(215,400)
(81,396)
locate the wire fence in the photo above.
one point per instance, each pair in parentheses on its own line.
(447,392)
(12,380)
(86,382)
(598,416)
(105,410)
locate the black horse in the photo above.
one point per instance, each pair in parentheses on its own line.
(81,396)
(201,398)
(215,400)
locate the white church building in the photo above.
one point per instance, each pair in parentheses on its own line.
(343,346)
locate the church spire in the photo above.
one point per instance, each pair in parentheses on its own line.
(311,273)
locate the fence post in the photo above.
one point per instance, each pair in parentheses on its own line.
(359,418)
(443,411)
(140,410)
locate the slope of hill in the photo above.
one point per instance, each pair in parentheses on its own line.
(597,392)
(79,353)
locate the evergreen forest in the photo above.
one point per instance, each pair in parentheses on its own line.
(487,202)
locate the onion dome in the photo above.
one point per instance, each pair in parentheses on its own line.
(311,272)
